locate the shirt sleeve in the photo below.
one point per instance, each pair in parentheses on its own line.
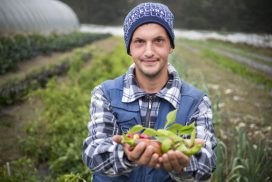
(100,153)
(203,163)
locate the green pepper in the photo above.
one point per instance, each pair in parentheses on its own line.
(189,151)
(166,145)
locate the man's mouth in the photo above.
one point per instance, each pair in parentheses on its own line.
(149,60)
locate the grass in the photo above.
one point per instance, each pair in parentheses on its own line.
(240,69)
(239,48)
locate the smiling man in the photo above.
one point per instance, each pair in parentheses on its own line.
(149,49)
(144,95)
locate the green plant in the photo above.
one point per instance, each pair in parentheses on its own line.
(238,68)
(180,65)
(169,138)
(55,137)
(70,178)
(22,169)
(245,161)
(20,48)
(249,161)
(17,90)
(222,158)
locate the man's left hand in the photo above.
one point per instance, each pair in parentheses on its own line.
(174,161)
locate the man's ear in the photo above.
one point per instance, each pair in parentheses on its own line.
(171,50)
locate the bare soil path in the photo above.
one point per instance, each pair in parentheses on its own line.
(27,67)
(254,60)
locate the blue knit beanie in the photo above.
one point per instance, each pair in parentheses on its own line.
(148,13)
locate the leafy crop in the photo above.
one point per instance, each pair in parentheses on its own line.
(22,47)
(54,139)
(16,90)
(169,138)
(246,161)
(28,172)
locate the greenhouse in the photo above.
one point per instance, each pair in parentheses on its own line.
(36,16)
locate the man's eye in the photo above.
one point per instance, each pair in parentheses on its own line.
(139,41)
(159,40)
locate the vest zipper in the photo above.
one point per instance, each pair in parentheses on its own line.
(148,112)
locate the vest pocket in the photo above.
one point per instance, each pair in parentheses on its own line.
(126,120)
(127,114)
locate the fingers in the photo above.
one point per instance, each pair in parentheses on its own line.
(143,154)
(117,138)
(199,141)
(148,158)
(154,161)
(174,161)
(169,161)
(136,153)
(183,159)
(166,162)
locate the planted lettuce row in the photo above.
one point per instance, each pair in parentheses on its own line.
(24,47)
(16,90)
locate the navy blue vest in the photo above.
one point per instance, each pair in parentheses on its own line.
(128,115)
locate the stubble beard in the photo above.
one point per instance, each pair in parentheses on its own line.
(150,75)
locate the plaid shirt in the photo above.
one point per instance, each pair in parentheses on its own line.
(103,155)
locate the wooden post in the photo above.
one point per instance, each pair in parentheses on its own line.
(8,168)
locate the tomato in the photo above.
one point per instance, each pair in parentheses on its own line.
(137,136)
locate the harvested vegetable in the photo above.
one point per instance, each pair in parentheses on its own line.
(168,138)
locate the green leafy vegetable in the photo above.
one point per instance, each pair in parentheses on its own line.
(171,117)
(170,137)
(135,129)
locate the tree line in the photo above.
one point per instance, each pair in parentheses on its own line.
(219,15)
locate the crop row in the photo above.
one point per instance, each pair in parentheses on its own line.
(24,47)
(16,90)
(55,137)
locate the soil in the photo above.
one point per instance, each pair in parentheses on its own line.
(13,121)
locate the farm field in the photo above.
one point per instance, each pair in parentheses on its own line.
(41,135)
(241,99)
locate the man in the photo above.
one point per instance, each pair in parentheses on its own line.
(144,95)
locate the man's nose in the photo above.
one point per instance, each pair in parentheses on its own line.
(149,52)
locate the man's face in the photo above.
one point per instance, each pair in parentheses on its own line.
(150,47)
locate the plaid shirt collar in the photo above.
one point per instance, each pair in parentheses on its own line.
(171,92)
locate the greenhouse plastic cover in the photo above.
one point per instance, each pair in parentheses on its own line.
(36,16)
